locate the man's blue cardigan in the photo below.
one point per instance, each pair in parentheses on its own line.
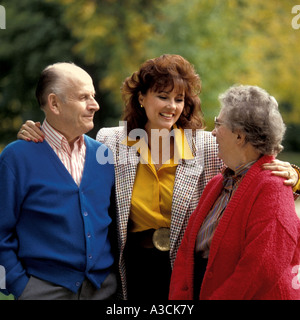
(50,227)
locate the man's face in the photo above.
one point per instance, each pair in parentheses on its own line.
(78,107)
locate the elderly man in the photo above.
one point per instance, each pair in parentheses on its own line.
(55,199)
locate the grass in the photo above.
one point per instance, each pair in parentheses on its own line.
(4,297)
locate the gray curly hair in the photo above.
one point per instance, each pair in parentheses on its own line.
(252,110)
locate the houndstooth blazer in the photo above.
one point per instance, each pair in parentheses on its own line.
(190,179)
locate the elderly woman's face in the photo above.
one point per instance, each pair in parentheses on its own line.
(227,143)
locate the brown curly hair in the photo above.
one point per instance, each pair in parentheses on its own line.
(165,72)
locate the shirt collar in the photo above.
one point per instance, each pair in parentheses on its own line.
(233,178)
(239,172)
(53,137)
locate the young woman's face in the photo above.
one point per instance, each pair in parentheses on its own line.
(163,108)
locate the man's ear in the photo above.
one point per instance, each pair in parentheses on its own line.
(54,103)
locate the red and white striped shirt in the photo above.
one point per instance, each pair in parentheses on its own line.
(74,159)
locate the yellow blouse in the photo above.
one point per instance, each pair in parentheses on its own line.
(152,193)
(296,188)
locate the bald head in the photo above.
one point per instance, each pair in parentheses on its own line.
(57,79)
(66,94)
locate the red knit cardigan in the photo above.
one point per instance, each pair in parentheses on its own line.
(255,250)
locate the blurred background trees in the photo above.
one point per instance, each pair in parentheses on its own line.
(228,41)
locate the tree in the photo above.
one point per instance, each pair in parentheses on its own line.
(34,38)
(233,41)
(228,41)
(112,37)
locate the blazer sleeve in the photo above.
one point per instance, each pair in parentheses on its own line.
(271,240)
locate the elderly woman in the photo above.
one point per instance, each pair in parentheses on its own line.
(242,241)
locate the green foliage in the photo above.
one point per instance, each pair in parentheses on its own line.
(4,297)
(34,38)
(228,41)
(112,37)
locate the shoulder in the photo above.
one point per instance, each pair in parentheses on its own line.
(199,135)
(205,136)
(112,137)
(110,133)
(262,181)
(104,154)
(205,141)
(19,155)
(264,178)
(273,187)
(271,198)
(90,142)
(200,139)
(207,151)
(16,148)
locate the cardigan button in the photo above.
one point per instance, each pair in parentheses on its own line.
(209,274)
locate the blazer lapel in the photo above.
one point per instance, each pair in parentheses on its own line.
(125,167)
(186,180)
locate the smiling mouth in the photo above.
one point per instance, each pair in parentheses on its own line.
(167,115)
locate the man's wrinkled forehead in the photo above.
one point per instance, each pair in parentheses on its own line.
(73,78)
(72,73)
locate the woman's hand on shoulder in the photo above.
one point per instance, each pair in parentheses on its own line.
(283,169)
(30,131)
